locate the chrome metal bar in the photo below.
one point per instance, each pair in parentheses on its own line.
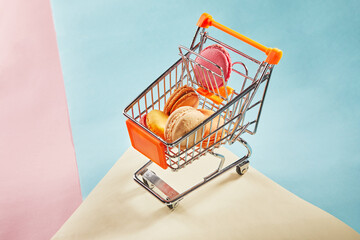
(151,177)
(202,39)
(234,137)
(178,197)
(194,38)
(263,99)
(221,164)
(232,49)
(254,105)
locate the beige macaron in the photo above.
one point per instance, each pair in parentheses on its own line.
(182,121)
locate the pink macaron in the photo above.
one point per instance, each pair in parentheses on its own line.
(143,120)
(218,55)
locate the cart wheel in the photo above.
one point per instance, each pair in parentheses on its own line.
(242,170)
(172,206)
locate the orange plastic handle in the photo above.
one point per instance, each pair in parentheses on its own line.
(273,54)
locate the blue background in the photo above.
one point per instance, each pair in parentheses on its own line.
(308,138)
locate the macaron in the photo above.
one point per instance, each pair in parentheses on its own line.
(143,120)
(182,121)
(218,55)
(183,96)
(217,122)
(156,121)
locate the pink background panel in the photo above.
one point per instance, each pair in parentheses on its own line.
(39,182)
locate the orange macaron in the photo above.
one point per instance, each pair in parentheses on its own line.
(156,121)
(217,122)
(183,96)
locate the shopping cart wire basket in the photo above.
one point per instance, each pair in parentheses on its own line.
(237,110)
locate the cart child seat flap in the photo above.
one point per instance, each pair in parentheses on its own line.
(147,144)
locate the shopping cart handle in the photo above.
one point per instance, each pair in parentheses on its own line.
(273,54)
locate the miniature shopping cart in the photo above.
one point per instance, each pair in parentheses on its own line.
(239,107)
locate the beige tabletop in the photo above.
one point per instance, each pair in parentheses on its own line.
(229,207)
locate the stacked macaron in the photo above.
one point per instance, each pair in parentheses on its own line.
(183,96)
(184,119)
(211,127)
(156,120)
(216,54)
(180,116)
(181,122)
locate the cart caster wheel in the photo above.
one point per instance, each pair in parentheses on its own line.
(241,170)
(172,206)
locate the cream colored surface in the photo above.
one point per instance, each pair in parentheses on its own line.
(229,207)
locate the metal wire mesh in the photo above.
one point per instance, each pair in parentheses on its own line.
(237,113)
